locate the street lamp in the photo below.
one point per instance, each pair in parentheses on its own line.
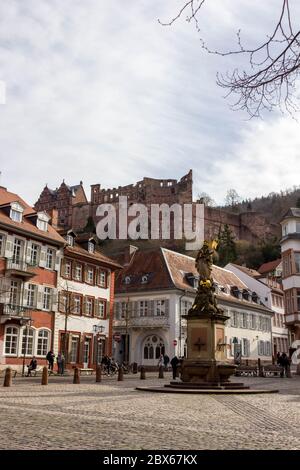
(28,324)
(98,329)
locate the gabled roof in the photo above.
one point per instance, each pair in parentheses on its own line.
(292,212)
(27,224)
(269,267)
(96,256)
(251,272)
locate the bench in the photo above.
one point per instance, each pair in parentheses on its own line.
(13,372)
(35,372)
(86,371)
(272,370)
(246,371)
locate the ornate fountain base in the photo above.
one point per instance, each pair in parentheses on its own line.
(212,375)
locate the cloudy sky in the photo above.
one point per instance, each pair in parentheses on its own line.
(99,91)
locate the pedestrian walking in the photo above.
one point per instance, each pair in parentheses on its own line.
(50,358)
(166,361)
(161,361)
(174,364)
(60,363)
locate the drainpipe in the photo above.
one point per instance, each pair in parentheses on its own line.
(180,297)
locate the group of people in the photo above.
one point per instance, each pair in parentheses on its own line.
(50,359)
(284,361)
(164,361)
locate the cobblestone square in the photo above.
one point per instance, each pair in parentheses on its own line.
(113,415)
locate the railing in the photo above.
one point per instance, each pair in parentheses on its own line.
(143,321)
(13,309)
(16,264)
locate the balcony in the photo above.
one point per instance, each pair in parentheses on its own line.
(19,268)
(13,312)
(143,322)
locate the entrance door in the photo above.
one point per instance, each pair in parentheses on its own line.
(86,352)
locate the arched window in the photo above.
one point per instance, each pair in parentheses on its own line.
(42,343)
(11,340)
(27,341)
(154,347)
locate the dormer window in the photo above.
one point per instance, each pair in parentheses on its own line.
(127,279)
(42,221)
(70,240)
(16,212)
(91,247)
(145,278)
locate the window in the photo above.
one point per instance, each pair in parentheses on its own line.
(89,306)
(16,215)
(91,247)
(143,308)
(74,349)
(160,308)
(244,320)
(70,240)
(2,244)
(11,340)
(102,278)
(234,319)
(89,277)
(297,262)
(185,306)
(42,343)
(42,225)
(49,258)
(67,269)
(14,293)
(47,298)
(77,304)
(27,341)
(101,309)
(17,250)
(245,347)
(298,227)
(31,295)
(63,303)
(253,321)
(78,272)
(34,255)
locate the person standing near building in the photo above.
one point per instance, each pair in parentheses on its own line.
(166,361)
(50,358)
(174,364)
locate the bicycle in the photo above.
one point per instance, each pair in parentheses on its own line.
(111,370)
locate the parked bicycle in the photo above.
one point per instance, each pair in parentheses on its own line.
(111,368)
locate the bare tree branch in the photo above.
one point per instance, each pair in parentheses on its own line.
(275,65)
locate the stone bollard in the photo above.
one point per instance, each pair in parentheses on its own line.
(143,373)
(135,368)
(288,372)
(8,377)
(98,374)
(76,379)
(160,372)
(45,376)
(120,374)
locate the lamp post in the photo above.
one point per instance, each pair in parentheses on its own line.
(98,329)
(28,324)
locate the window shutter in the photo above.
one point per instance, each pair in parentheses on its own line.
(40,292)
(248,348)
(151,308)
(57,263)
(230,351)
(54,299)
(43,257)
(167,309)
(25,298)
(9,246)
(106,309)
(28,252)
(84,305)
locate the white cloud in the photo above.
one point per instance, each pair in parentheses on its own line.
(101,92)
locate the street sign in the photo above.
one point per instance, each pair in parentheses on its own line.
(117,337)
(175,342)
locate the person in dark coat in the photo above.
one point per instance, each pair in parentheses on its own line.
(166,361)
(284,362)
(50,358)
(32,366)
(174,364)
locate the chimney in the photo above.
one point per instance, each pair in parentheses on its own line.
(54,218)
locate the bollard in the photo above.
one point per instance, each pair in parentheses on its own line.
(98,374)
(143,373)
(160,372)
(76,379)
(135,368)
(8,377)
(120,374)
(288,372)
(45,376)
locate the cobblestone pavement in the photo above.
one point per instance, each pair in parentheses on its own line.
(113,415)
